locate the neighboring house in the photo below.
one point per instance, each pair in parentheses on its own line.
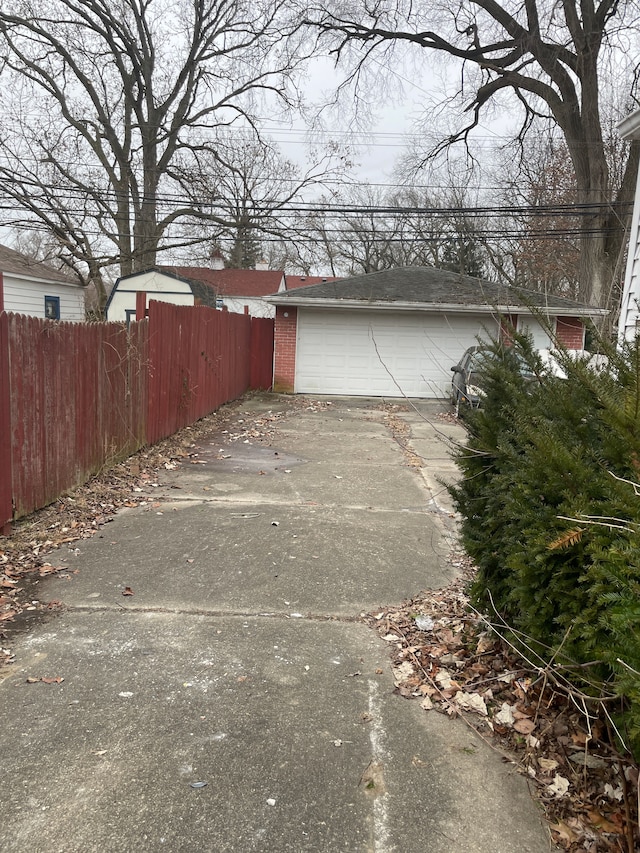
(629,321)
(30,287)
(400,331)
(239,291)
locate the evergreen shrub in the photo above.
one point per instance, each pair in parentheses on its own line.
(551,514)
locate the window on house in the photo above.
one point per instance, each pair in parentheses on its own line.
(52,307)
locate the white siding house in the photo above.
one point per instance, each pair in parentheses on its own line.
(629,324)
(29,287)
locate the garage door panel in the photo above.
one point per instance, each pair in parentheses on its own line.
(354,352)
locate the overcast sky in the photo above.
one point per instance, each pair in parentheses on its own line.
(383,130)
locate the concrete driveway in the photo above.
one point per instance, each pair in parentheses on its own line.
(235,701)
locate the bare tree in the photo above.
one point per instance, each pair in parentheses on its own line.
(104,105)
(254,191)
(544,225)
(552,56)
(365,230)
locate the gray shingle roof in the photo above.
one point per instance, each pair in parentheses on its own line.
(427,286)
(19,264)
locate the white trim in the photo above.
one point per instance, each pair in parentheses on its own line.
(629,128)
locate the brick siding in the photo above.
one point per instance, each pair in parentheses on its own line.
(284,367)
(507,324)
(570,332)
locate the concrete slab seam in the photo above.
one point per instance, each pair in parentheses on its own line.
(377,737)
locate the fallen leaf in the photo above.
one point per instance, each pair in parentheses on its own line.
(584,759)
(485,644)
(601,822)
(614,793)
(564,832)
(471,702)
(559,787)
(127,591)
(48,569)
(403,672)
(505,715)
(57,680)
(525,726)
(444,680)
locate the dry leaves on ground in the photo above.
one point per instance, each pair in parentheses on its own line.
(37,545)
(444,656)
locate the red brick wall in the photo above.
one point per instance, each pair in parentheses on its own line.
(570,332)
(284,364)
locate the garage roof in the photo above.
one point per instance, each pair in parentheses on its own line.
(427,288)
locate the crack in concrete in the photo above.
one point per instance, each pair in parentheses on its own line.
(216,614)
(193,499)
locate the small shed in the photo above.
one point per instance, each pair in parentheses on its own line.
(236,290)
(31,287)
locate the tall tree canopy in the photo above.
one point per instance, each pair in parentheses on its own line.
(107,106)
(554,57)
(253,187)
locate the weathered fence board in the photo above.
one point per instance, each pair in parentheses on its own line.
(200,358)
(6,490)
(75,397)
(262,333)
(73,407)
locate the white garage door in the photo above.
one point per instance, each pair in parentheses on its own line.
(371,353)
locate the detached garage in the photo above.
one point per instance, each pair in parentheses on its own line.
(398,332)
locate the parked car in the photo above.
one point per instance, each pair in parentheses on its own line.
(466,383)
(465,388)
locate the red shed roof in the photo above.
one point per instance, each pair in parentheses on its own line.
(232,282)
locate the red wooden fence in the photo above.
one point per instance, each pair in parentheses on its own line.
(75,397)
(201,358)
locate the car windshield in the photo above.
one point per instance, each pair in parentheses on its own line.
(481,359)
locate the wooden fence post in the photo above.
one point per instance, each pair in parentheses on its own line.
(6,454)
(141,305)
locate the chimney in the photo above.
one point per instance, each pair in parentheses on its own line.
(216,259)
(262,265)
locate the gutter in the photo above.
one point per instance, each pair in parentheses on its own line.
(629,128)
(36,280)
(439,307)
